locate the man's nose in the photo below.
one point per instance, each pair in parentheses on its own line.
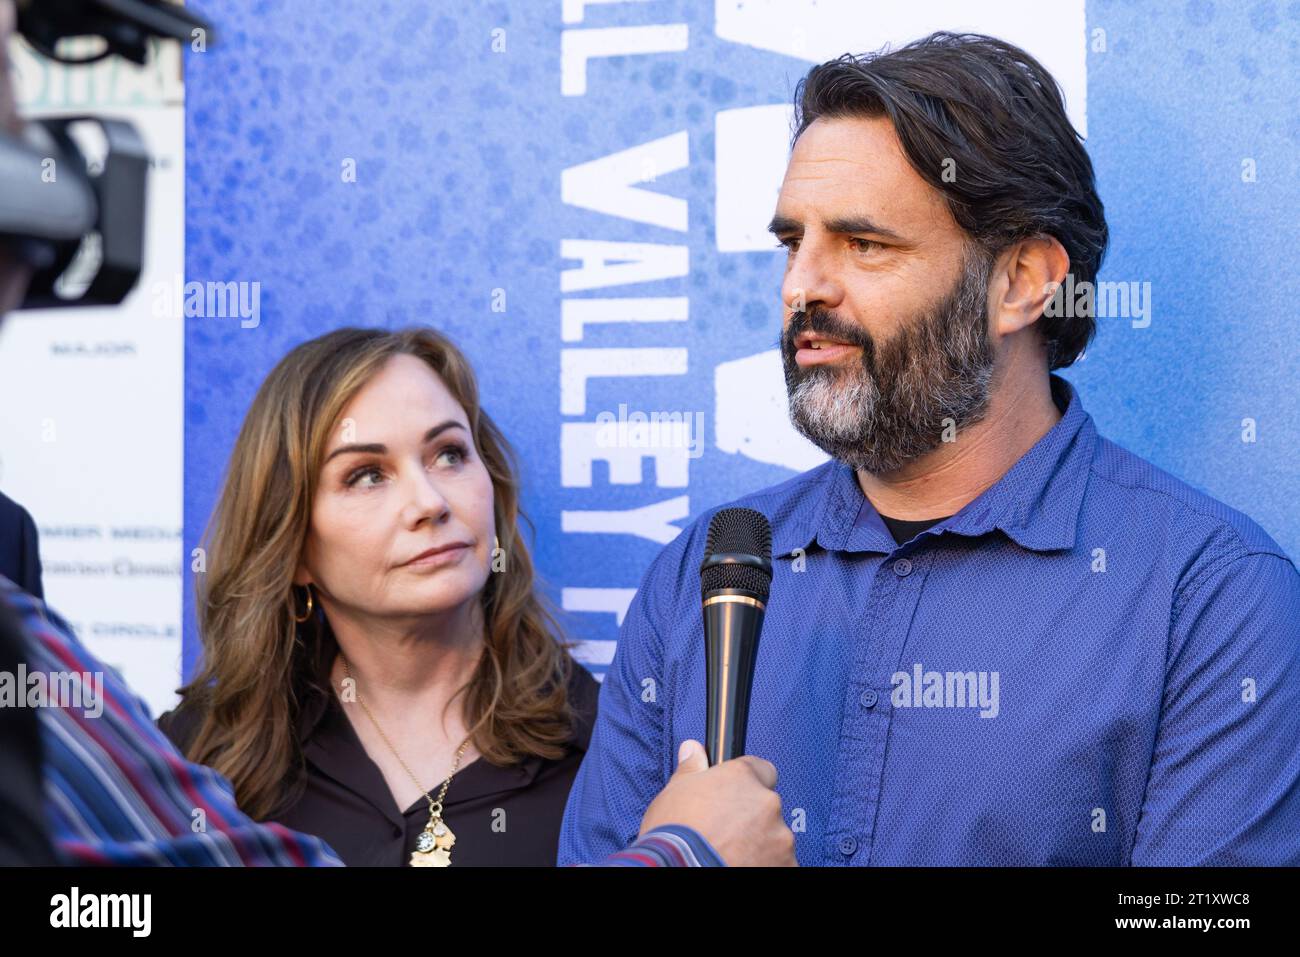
(811,278)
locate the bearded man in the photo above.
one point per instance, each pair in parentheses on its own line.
(994,637)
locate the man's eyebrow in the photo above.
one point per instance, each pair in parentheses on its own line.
(856,223)
(783,224)
(377,448)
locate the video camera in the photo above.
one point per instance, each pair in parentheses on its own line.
(57,207)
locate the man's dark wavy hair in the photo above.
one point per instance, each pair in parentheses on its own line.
(992,110)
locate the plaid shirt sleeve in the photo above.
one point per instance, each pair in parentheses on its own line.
(117,792)
(669,845)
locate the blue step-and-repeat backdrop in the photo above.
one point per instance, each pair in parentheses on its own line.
(577,193)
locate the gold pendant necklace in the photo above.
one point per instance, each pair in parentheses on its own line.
(433,846)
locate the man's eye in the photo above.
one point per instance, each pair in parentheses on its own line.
(865,245)
(787,244)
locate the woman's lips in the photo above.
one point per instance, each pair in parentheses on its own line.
(447,556)
(826,351)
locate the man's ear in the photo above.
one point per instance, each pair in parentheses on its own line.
(1031,269)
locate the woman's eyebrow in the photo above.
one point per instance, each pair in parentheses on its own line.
(377,448)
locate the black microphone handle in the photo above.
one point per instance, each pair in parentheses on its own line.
(733,619)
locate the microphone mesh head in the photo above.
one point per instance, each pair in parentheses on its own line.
(740,530)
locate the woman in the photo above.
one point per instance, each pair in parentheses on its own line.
(378,668)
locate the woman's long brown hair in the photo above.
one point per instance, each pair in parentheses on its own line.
(257,662)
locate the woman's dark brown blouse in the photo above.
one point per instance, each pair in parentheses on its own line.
(501,816)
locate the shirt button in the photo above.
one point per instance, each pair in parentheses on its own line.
(868,699)
(848,845)
(903,567)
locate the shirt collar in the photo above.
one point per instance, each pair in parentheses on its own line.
(1036,502)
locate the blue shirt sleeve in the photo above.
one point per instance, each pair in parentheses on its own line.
(1224,785)
(624,767)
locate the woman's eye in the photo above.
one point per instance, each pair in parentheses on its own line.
(458,454)
(355,478)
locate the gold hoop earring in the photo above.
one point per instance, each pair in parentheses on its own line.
(307,613)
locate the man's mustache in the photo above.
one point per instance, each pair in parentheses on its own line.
(827,324)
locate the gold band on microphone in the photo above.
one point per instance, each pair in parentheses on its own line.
(738,599)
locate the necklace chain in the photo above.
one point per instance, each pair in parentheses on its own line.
(435,807)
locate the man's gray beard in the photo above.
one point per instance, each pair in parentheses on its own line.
(893,406)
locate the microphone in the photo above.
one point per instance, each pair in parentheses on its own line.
(735,578)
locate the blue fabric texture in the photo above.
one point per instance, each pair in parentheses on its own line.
(1091,663)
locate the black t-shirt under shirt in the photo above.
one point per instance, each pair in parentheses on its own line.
(903,530)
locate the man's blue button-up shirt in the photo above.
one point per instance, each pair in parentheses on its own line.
(1091,663)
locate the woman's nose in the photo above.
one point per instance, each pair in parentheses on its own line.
(424,499)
